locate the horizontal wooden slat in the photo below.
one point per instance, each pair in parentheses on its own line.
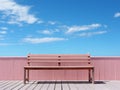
(58,61)
(65,55)
(52,58)
(58,67)
(72,55)
(55,58)
(43,55)
(74,58)
(43,58)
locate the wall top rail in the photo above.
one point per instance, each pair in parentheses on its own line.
(106,57)
(12,58)
(92,57)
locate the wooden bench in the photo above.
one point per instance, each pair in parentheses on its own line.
(60,60)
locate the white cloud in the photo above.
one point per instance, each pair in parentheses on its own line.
(17,13)
(3,32)
(82,28)
(47,32)
(117,14)
(87,34)
(40,21)
(42,40)
(52,22)
(3,28)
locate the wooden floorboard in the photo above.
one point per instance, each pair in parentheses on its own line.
(59,85)
(73,86)
(65,86)
(51,86)
(39,86)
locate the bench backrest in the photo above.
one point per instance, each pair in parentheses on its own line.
(58,58)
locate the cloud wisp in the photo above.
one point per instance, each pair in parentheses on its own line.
(3,30)
(74,29)
(16,13)
(46,32)
(88,34)
(42,40)
(52,22)
(116,15)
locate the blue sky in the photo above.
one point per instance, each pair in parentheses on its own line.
(60,27)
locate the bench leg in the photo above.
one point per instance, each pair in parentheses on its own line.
(89,75)
(24,76)
(93,76)
(28,75)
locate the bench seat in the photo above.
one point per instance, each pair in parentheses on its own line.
(58,67)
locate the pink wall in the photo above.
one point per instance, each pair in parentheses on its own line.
(106,68)
(11,68)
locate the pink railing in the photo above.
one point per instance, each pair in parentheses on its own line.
(106,68)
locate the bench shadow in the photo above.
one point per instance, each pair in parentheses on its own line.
(70,82)
(100,82)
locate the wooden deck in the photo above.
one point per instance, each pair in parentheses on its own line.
(59,85)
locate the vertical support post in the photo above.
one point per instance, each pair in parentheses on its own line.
(93,76)
(28,75)
(89,75)
(24,76)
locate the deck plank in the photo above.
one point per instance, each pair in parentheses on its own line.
(39,86)
(15,86)
(99,86)
(5,84)
(12,85)
(58,85)
(102,87)
(19,86)
(25,86)
(113,85)
(65,86)
(45,86)
(81,86)
(32,86)
(73,86)
(52,86)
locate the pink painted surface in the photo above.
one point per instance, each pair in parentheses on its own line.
(11,68)
(106,68)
